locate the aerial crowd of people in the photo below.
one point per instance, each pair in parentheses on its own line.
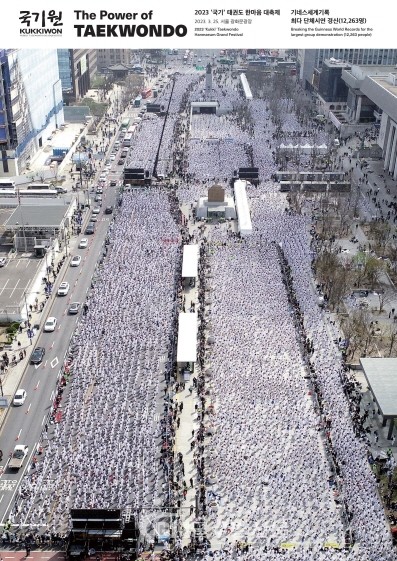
(283,470)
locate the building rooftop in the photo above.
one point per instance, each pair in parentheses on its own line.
(381,375)
(25,215)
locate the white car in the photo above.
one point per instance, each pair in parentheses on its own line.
(63,288)
(76,260)
(112,157)
(83,243)
(19,397)
(50,325)
(96,210)
(3,261)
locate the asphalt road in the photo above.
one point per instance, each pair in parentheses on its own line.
(25,424)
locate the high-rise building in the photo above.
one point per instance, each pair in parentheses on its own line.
(109,57)
(30,105)
(311,60)
(77,68)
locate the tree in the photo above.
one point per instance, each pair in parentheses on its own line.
(392,336)
(385,295)
(336,277)
(373,268)
(382,234)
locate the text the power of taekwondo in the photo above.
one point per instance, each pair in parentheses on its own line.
(87,28)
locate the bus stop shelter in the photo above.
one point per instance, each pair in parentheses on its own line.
(381,376)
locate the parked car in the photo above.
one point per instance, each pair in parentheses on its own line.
(50,324)
(109,210)
(3,261)
(76,260)
(96,210)
(37,355)
(63,288)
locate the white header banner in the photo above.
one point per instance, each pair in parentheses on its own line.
(222,24)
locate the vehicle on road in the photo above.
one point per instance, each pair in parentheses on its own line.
(76,260)
(99,190)
(90,228)
(37,355)
(96,210)
(112,157)
(98,198)
(3,261)
(63,288)
(61,190)
(94,218)
(18,456)
(83,243)
(50,325)
(109,210)
(113,183)
(19,397)
(120,162)
(74,308)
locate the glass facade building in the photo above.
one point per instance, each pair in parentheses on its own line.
(65,69)
(310,60)
(31,104)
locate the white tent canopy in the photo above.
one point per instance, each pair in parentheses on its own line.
(187,338)
(190,261)
(242,206)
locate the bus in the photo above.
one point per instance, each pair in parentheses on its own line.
(258,63)
(7,185)
(23,193)
(146,93)
(127,141)
(227,61)
(137,101)
(125,124)
(38,193)
(40,187)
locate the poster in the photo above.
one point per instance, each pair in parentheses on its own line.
(144,125)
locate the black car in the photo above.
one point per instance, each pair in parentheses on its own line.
(37,355)
(90,228)
(109,210)
(113,183)
(120,162)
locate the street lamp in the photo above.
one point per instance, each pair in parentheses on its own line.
(27,319)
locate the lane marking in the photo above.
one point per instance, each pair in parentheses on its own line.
(28,409)
(15,287)
(54,362)
(2,290)
(37,385)
(19,434)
